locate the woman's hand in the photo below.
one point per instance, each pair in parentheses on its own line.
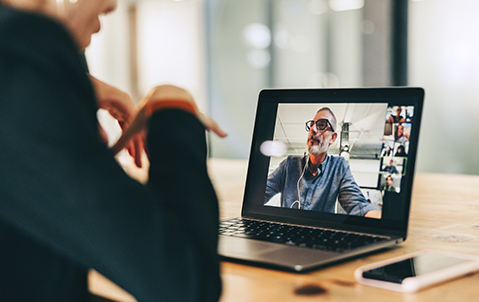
(121,108)
(159,94)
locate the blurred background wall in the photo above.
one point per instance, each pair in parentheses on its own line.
(226,51)
(444,59)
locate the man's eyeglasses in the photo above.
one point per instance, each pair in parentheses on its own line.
(321,124)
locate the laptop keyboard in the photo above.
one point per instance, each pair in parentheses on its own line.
(321,239)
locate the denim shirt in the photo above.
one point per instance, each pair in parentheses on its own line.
(319,193)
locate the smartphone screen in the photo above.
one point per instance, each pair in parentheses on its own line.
(412,267)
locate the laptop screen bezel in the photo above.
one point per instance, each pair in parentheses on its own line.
(268,102)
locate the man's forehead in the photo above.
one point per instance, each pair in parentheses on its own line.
(323,114)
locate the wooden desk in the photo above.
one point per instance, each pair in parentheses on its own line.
(444,215)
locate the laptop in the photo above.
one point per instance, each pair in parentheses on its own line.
(299,216)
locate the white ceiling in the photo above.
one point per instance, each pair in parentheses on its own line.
(365,131)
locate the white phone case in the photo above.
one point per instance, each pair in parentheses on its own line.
(413,284)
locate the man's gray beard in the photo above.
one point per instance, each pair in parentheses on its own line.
(314,150)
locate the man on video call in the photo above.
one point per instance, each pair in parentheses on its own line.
(319,178)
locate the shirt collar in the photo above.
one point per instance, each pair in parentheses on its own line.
(321,167)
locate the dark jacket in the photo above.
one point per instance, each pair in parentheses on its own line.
(66,205)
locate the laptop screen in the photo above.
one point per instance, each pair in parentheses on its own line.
(334,155)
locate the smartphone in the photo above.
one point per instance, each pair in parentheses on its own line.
(412,272)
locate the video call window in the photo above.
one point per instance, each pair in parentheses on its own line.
(390,183)
(366,158)
(393,165)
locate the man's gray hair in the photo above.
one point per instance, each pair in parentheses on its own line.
(333,117)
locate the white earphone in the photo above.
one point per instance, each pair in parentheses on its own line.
(297,185)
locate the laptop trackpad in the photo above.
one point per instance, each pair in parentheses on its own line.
(243,248)
(276,254)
